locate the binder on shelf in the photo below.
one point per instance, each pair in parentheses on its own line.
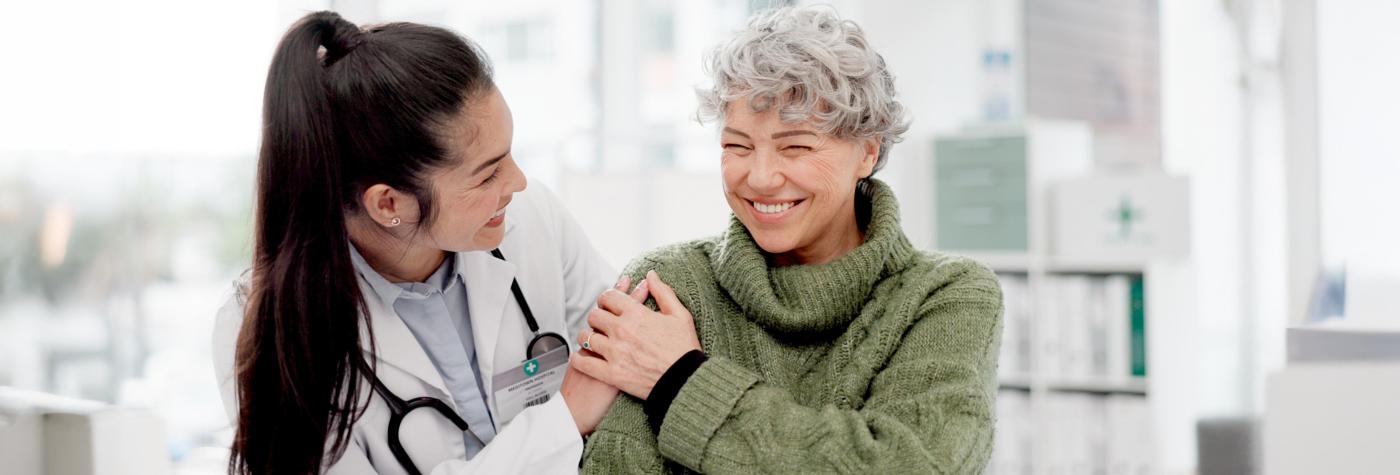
(1117,324)
(1093,329)
(1139,327)
(1016,331)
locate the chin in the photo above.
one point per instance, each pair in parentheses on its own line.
(487,240)
(773,243)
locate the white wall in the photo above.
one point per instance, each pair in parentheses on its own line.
(1359,122)
(932,47)
(1201,139)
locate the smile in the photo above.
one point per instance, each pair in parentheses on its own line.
(773,208)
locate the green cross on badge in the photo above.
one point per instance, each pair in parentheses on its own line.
(531,367)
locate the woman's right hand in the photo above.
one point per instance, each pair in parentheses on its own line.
(589,399)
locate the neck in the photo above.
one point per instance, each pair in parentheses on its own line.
(843,236)
(395,258)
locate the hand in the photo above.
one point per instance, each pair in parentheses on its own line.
(632,346)
(587,398)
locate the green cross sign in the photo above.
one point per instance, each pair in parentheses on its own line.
(531,367)
(1126,215)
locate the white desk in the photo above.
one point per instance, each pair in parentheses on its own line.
(53,435)
(1333,418)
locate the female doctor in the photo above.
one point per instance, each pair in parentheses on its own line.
(410,302)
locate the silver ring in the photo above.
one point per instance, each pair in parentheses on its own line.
(587,342)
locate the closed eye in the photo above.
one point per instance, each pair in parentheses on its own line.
(734,146)
(494,174)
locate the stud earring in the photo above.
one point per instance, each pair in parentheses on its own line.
(395,221)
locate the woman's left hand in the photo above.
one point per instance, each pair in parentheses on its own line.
(631,345)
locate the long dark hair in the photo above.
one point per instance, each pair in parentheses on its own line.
(343,109)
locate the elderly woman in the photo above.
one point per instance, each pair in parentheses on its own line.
(830,344)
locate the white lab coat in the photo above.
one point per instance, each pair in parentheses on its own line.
(561,275)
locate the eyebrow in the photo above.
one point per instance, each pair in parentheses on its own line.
(490,162)
(786,133)
(790,133)
(735,132)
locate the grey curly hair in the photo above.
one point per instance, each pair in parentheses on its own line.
(810,64)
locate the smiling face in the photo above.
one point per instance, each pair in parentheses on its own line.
(792,186)
(469,196)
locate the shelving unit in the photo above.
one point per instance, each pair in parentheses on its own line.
(991,191)
(1166,389)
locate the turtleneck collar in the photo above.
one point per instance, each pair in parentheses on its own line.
(811,299)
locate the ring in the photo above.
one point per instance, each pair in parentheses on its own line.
(587,345)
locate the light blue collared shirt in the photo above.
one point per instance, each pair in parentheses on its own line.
(436,313)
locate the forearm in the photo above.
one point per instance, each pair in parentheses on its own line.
(943,428)
(622,444)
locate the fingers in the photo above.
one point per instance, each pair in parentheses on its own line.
(596,342)
(590,365)
(617,302)
(602,320)
(640,293)
(583,341)
(665,297)
(623,283)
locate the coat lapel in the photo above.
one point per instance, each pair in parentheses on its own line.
(396,344)
(488,282)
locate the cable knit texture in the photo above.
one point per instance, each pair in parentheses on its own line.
(882,361)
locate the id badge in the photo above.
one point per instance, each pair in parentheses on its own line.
(529,384)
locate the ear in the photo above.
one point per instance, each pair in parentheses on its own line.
(869,155)
(383,203)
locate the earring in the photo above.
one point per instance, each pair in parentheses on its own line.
(395,221)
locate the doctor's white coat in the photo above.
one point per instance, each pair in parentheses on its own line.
(561,275)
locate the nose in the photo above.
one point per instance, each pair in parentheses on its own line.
(766,175)
(518,182)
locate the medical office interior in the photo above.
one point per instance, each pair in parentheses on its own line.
(1191,205)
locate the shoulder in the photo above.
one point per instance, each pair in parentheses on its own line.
(954,276)
(229,318)
(956,308)
(680,259)
(228,322)
(952,293)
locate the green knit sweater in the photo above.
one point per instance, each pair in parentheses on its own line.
(882,361)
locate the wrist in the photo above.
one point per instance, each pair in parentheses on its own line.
(658,401)
(579,424)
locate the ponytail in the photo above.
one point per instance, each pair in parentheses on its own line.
(299,340)
(331,128)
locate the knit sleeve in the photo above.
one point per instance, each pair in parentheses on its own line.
(930,409)
(624,443)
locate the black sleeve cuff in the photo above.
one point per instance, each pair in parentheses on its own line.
(669,386)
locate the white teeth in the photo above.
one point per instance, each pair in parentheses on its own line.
(771,209)
(499,213)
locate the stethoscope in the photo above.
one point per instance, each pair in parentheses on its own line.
(541,343)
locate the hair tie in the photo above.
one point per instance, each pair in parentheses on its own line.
(339,40)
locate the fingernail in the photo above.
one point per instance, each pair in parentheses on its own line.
(651,273)
(623,282)
(642,286)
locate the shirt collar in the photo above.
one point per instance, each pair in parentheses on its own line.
(388,292)
(442,279)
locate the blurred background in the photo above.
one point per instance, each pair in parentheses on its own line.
(1191,204)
